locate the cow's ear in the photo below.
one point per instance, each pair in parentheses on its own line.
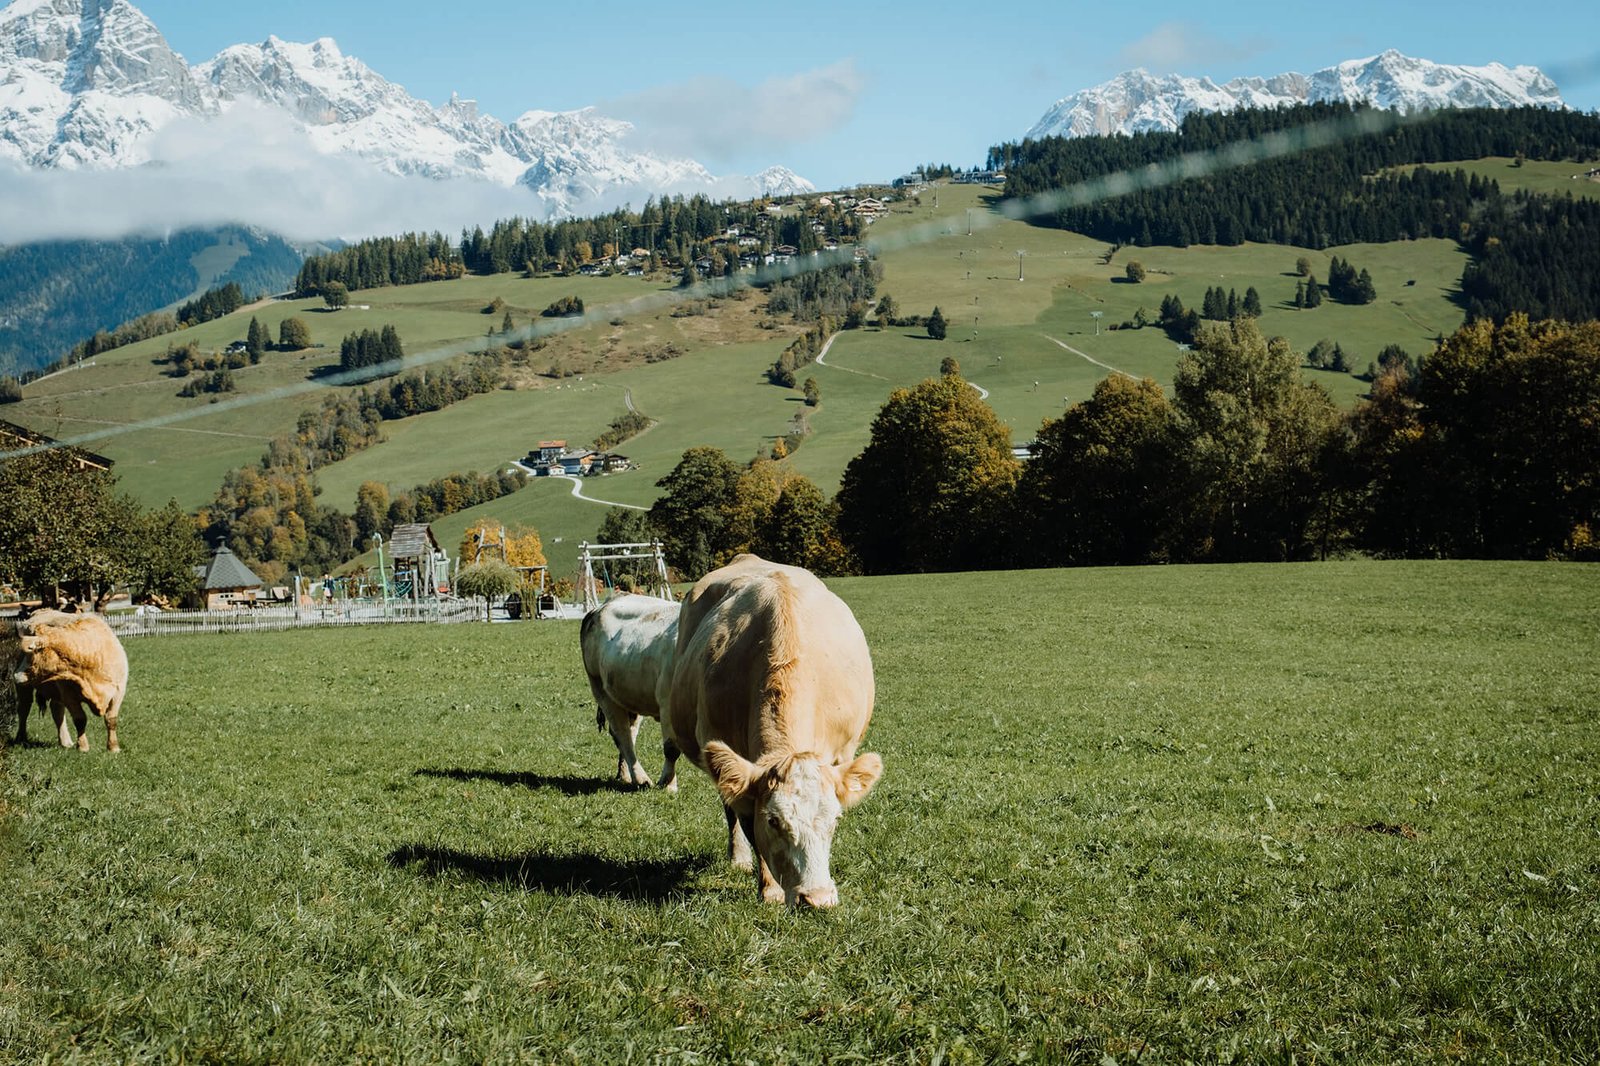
(857,779)
(734,774)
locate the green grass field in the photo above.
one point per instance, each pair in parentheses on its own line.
(1313,812)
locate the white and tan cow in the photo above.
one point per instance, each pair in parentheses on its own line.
(69,660)
(771,694)
(628,645)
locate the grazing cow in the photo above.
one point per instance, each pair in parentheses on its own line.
(628,644)
(69,660)
(771,694)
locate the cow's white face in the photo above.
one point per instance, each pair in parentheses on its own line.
(794,823)
(796,803)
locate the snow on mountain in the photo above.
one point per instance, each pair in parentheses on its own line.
(1136,101)
(89,83)
(781,181)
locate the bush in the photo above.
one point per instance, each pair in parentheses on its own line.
(567,305)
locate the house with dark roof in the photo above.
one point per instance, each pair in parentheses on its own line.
(226,583)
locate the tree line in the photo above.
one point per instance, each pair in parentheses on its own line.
(54,294)
(672,229)
(1531,253)
(1487,447)
(368,264)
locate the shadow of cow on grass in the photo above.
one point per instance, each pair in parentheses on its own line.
(570,873)
(565,784)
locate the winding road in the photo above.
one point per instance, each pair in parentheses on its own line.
(577,488)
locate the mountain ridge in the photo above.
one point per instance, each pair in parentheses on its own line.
(88,84)
(1137,101)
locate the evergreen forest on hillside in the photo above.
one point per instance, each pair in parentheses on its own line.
(55,294)
(1535,254)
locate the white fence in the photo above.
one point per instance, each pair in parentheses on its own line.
(260,619)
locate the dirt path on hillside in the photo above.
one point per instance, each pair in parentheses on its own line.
(822,361)
(1090,358)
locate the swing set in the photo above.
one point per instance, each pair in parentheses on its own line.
(656,583)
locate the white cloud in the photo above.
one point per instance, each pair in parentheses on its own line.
(719,119)
(251,165)
(1172,46)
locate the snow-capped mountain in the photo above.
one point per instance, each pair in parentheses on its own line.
(1137,101)
(91,83)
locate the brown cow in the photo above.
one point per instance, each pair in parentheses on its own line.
(771,693)
(70,660)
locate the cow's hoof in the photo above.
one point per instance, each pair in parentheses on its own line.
(670,786)
(772,894)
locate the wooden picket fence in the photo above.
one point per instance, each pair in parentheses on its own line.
(263,619)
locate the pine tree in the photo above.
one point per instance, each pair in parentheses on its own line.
(1252,302)
(1313,292)
(257,340)
(937,325)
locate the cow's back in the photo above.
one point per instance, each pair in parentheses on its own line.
(628,645)
(769,660)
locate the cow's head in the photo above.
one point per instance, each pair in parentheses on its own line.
(795,802)
(27,647)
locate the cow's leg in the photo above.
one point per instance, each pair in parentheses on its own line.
(624,729)
(24,705)
(739,851)
(80,719)
(58,711)
(669,766)
(111,715)
(766,885)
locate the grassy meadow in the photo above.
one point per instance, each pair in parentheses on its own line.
(1546,177)
(1344,811)
(1031,344)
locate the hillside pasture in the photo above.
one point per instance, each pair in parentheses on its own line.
(1335,812)
(1001,331)
(1546,177)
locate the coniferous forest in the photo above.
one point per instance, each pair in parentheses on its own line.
(1535,254)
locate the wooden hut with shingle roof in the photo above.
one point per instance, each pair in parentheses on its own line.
(420,565)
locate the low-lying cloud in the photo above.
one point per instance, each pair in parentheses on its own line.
(250,165)
(718,119)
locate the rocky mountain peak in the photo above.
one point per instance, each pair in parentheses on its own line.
(1138,101)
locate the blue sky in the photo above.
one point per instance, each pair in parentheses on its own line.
(860,91)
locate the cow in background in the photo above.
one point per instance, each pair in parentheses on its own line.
(771,694)
(66,661)
(628,644)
